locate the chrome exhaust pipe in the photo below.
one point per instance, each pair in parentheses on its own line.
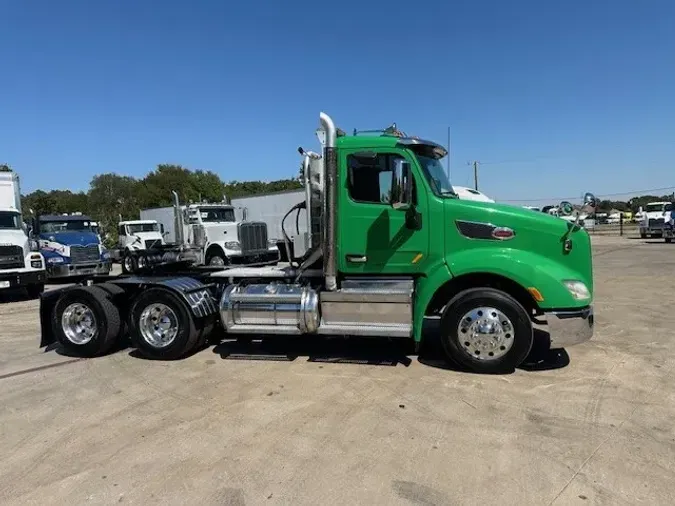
(329,203)
(178,219)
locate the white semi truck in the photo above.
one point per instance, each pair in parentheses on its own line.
(136,236)
(217,234)
(21,264)
(652,218)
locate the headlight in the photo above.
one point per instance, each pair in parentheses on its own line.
(36,264)
(55,260)
(233,245)
(577,289)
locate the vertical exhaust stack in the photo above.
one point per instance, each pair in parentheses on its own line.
(330,202)
(308,198)
(178,218)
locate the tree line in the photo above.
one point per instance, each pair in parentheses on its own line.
(112,195)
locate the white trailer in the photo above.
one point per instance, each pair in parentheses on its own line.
(270,208)
(21,264)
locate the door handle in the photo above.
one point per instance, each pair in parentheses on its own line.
(357,259)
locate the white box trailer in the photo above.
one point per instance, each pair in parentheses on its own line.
(270,208)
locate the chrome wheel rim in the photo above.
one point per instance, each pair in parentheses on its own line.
(158,325)
(217,261)
(128,264)
(485,333)
(79,324)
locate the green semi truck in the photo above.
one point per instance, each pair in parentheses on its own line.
(387,244)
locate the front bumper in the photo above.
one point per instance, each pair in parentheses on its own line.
(567,328)
(18,279)
(74,270)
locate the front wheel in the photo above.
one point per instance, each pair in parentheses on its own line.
(216,259)
(128,264)
(669,240)
(486,330)
(643,235)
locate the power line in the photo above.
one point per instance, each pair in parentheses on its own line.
(602,195)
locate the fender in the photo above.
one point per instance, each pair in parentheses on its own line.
(197,296)
(438,275)
(528,269)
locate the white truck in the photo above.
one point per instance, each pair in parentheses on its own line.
(136,236)
(219,235)
(21,264)
(652,217)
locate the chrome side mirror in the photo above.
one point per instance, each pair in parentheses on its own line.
(565,208)
(590,203)
(400,196)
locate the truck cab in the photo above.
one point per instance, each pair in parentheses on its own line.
(225,241)
(652,218)
(21,264)
(135,236)
(71,247)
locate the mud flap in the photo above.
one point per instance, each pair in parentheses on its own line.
(47,302)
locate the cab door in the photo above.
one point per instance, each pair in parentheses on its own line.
(374,238)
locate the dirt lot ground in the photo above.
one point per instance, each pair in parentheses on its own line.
(215,429)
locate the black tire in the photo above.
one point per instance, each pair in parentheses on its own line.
(108,323)
(216,253)
(128,264)
(518,334)
(643,235)
(112,289)
(669,240)
(34,291)
(187,335)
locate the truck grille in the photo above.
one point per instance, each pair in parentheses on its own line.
(152,243)
(11,257)
(84,254)
(252,237)
(656,222)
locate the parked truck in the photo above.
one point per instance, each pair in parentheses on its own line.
(135,237)
(388,245)
(652,218)
(70,246)
(21,264)
(224,240)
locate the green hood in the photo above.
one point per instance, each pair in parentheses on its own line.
(534,257)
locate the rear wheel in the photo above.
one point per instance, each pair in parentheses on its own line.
(161,326)
(86,322)
(486,330)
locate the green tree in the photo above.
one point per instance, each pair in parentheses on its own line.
(5,168)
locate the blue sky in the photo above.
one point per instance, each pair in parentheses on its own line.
(555,98)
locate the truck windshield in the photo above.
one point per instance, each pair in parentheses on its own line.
(143,227)
(50,227)
(216,214)
(10,221)
(653,208)
(436,175)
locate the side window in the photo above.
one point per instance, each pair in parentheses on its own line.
(369,177)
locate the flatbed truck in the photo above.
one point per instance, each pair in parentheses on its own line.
(388,244)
